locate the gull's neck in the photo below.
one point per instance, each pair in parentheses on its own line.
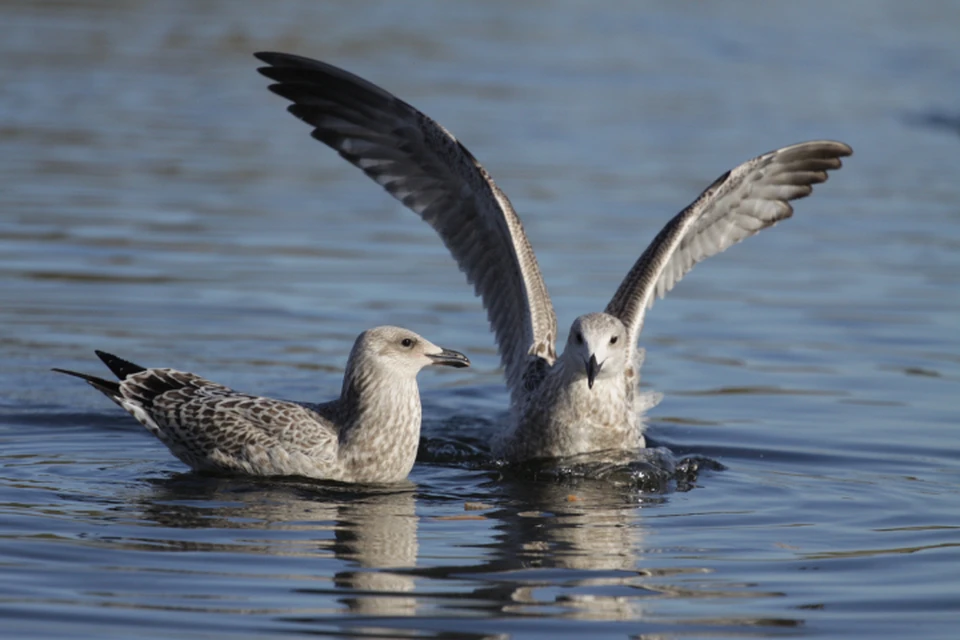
(380,421)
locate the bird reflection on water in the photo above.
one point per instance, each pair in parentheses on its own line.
(569,548)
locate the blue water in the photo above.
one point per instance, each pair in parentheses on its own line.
(158,203)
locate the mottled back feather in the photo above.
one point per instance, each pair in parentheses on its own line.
(210,426)
(186,405)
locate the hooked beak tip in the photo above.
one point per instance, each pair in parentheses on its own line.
(449,358)
(593,368)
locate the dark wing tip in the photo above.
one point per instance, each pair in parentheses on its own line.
(281,62)
(277,59)
(110,388)
(815,154)
(833,147)
(299,78)
(842,149)
(822,149)
(120,367)
(290,89)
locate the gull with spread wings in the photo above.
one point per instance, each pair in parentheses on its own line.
(585,399)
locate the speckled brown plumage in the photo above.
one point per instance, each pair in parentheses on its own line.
(369,434)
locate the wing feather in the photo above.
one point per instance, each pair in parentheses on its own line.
(202,421)
(740,203)
(421,164)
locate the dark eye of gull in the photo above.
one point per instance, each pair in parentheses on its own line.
(579,338)
(613,340)
(407,342)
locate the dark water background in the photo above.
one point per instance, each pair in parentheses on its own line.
(157,202)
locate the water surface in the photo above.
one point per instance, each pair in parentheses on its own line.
(158,203)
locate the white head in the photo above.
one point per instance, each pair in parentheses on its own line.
(597,347)
(400,351)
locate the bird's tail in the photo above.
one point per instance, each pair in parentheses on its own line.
(109,388)
(120,368)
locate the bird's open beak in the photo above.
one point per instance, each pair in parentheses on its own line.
(593,368)
(449,358)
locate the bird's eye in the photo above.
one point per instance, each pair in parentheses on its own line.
(579,338)
(407,342)
(613,340)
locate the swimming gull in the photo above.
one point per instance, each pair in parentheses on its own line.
(369,434)
(586,399)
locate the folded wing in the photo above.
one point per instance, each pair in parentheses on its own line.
(204,422)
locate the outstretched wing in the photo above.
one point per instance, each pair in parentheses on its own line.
(421,164)
(741,202)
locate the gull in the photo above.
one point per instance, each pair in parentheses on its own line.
(586,399)
(369,434)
